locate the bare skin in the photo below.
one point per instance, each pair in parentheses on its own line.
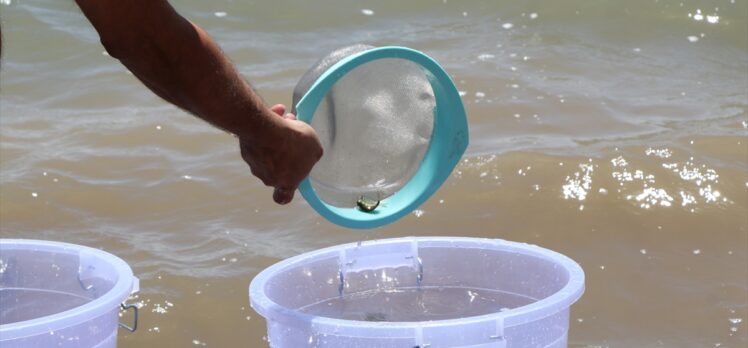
(179,62)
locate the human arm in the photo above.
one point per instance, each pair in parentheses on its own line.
(179,62)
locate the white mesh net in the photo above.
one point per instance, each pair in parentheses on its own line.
(375,126)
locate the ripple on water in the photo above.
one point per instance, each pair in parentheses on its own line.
(578,184)
(650,187)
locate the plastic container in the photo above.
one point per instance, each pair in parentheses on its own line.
(547,282)
(60,295)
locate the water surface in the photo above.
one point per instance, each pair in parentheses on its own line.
(614,132)
(417,304)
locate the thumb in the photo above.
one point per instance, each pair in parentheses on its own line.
(279,109)
(283,195)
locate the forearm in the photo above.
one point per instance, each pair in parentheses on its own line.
(182,64)
(178,61)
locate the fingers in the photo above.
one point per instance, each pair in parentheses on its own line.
(257,169)
(283,195)
(285,157)
(279,109)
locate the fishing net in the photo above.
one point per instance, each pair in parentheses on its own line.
(375,125)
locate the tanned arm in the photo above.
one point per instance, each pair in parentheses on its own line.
(179,62)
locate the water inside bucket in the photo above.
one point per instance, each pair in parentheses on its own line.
(417,304)
(26,304)
(473,293)
(60,295)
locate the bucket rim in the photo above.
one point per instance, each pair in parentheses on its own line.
(126,284)
(559,300)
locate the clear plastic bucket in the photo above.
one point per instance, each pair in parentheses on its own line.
(420,292)
(60,295)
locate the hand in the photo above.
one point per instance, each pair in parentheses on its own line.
(284,155)
(181,63)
